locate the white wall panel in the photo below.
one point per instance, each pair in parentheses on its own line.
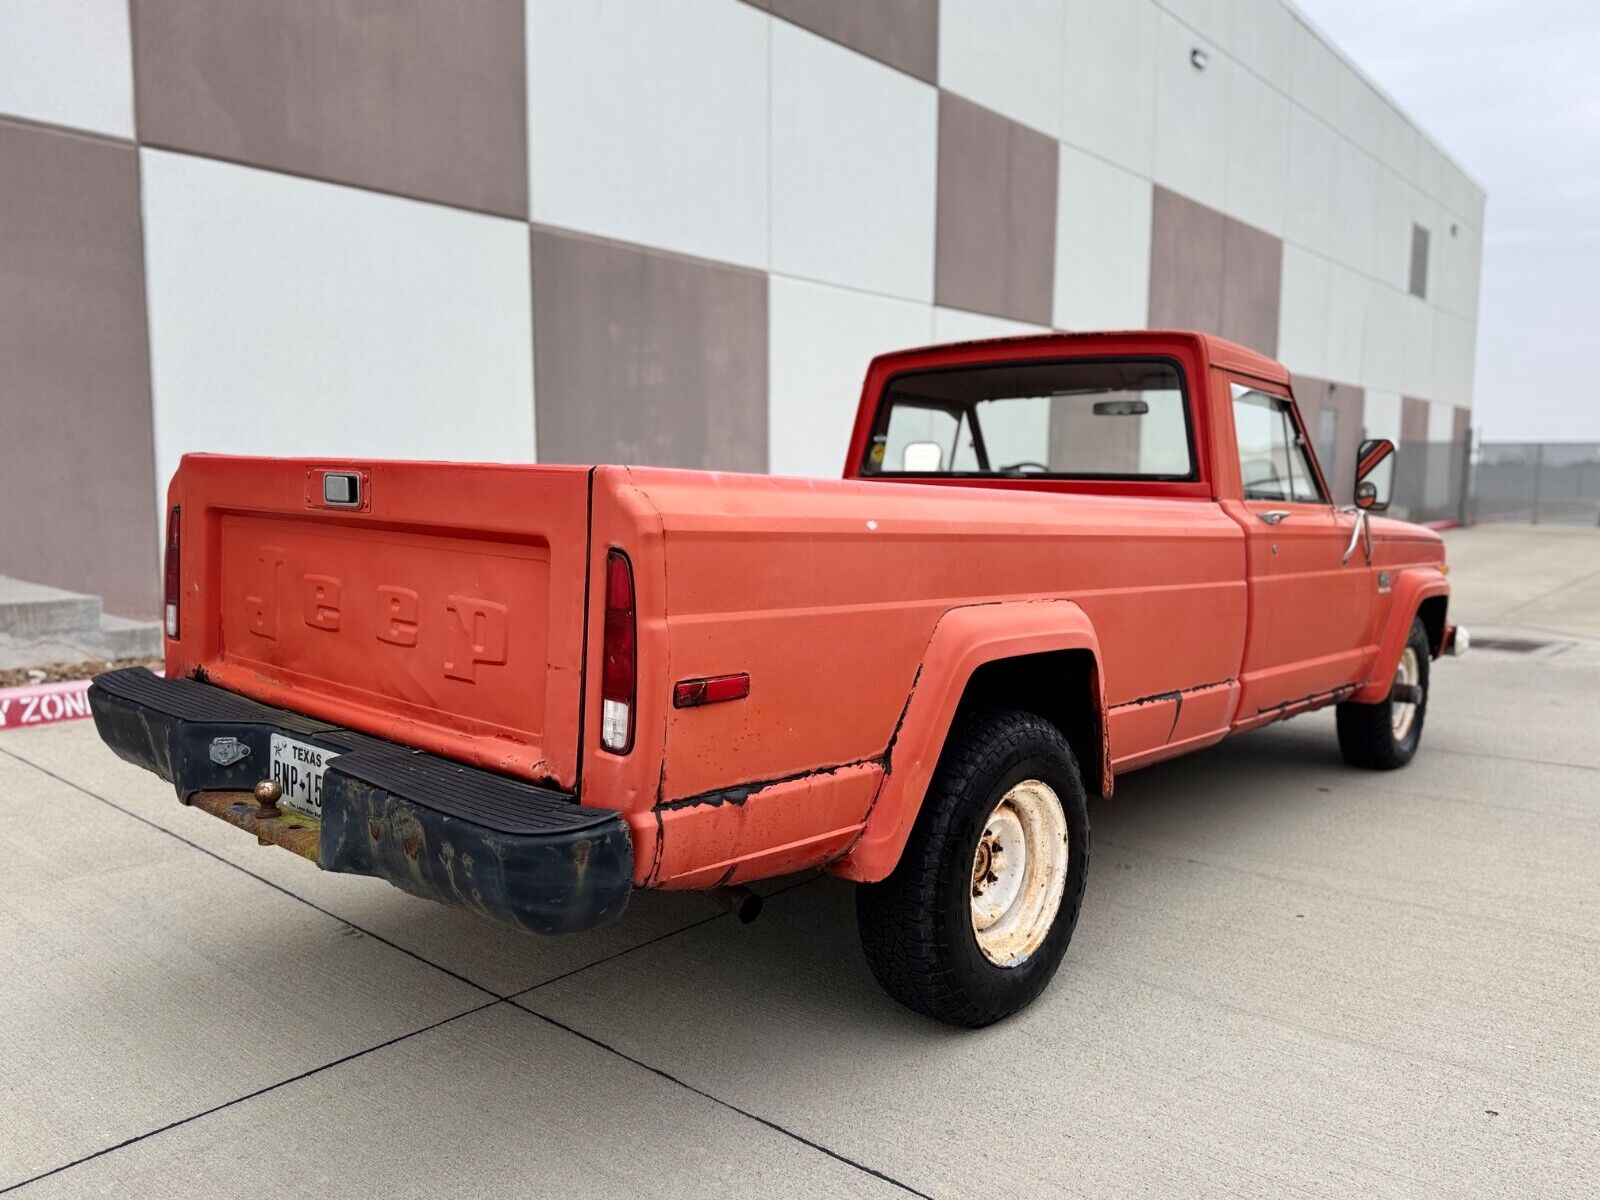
(1214,18)
(1108,80)
(1007,57)
(1347,320)
(1360,111)
(648,123)
(854,168)
(1397,142)
(1418,378)
(1258,153)
(1313,180)
(1391,240)
(1263,39)
(1441,422)
(1314,73)
(1428,173)
(1454,357)
(1102,245)
(1382,416)
(1191,115)
(67,62)
(822,339)
(957,325)
(1304,301)
(1383,343)
(294,317)
(1353,233)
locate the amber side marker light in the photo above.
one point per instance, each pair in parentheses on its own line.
(619,661)
(692,693)
(174,578)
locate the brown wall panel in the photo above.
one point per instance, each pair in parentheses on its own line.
(902,33)
(1212,273)
(1187,252)
(77,464)
(1317,397)
(641,356)
(1252,276)
(996,241)
(1413,419)
(411,96)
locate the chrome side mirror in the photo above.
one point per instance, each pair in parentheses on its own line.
(1374,474)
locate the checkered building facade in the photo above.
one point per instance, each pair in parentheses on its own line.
(665,231)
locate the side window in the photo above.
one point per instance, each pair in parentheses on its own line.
(1272,459)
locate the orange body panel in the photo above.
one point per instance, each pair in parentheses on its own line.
(457,612)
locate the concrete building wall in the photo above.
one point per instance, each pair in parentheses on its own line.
(665,232)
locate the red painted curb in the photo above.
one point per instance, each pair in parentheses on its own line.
(1441,525)
(44,703)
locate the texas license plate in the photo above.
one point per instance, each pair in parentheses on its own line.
(297,768)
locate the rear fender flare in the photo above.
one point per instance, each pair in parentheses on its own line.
(964,639)
(1411,588)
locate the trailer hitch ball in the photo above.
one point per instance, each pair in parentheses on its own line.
(268,793)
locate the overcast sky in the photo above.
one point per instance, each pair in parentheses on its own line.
(1511,90)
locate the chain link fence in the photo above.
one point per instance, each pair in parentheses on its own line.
(1539,483)
(1554,483)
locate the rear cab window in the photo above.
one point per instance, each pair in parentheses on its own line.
(1082,418)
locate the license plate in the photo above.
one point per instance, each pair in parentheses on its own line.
(297,768)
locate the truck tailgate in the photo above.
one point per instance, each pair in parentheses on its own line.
(444,611)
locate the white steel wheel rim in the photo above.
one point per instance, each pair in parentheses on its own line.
(1019,873)
(1404,712)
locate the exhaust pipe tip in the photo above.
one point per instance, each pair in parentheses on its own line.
(741,902)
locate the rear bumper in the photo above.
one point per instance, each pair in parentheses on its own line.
(525,855)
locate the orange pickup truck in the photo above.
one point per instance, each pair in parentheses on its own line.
(528,690)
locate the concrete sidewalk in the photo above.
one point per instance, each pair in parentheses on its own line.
(1290,977)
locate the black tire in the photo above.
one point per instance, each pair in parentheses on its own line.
(917,927)
(1366,731)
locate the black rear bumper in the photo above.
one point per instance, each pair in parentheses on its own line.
(529,856)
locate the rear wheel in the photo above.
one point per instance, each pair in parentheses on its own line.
(975,919)
(1383,736)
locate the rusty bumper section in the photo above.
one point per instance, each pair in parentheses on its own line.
(520,854)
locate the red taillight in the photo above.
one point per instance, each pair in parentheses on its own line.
(619,658)
(174,572)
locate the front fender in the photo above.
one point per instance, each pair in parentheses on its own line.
(964,639)
(1412,586)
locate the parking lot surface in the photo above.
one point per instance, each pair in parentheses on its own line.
(1290,977)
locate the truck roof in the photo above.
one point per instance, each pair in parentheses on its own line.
(1217,351)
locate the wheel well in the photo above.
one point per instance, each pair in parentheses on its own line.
(1062,686)
(1431,612)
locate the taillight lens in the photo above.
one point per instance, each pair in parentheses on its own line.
(619,663)
(174,571)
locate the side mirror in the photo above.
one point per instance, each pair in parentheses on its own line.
(1374,474)
(922,458)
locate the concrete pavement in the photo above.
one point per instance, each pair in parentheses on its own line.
(1290,978)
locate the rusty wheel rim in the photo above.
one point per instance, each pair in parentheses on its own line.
(1019,873)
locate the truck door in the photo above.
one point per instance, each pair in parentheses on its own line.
(1309,606)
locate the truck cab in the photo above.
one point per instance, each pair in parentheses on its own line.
(529,690)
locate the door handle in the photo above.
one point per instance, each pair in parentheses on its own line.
(1274,515)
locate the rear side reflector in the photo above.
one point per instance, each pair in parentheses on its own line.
(619,657)
(692,693)
(174,578)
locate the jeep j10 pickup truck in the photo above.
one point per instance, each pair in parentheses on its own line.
(528,690)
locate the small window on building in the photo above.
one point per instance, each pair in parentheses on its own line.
(1419,262)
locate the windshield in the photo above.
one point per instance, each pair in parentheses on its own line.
(1078,419)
